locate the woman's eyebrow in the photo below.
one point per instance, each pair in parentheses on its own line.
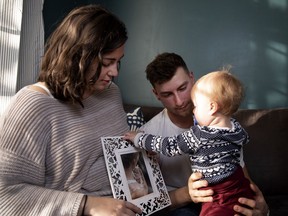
(112,59)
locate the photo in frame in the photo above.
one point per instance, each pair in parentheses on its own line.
(134,176)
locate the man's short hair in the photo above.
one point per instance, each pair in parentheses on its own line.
(164,67)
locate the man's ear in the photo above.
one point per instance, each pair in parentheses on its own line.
(214,107)
(191,75)
(155,93)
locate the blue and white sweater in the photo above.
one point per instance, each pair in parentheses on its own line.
(215,152)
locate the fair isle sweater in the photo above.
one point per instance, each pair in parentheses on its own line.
(213,151)
(51,152)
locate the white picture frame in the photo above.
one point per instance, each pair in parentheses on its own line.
(155,196)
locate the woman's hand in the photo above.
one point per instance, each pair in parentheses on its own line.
(194,184)
(256,207)
(103,206)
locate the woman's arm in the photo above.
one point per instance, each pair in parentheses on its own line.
(109,206)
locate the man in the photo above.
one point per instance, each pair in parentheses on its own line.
(172,83)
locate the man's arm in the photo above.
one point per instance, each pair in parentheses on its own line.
(179,197)
(256,207)
(246,174)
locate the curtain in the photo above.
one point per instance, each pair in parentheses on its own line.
(21,45)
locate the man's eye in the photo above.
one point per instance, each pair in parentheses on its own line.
(166,95)
(183,88)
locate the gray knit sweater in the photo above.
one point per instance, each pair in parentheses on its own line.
(51,152)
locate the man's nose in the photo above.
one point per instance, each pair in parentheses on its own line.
(178,100)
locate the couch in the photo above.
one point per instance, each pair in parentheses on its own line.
(265,154)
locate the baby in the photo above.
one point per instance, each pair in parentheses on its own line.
(214,144)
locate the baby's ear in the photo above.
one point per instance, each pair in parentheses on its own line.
(214,107)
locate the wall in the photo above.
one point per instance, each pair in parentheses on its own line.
(55,11)
(251,35)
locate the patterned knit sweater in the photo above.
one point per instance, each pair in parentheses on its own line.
(51,151)
(215,152)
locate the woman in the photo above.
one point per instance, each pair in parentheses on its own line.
(50,146)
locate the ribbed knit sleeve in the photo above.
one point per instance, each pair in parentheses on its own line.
(49,151)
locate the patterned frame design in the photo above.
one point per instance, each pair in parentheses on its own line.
(150,203)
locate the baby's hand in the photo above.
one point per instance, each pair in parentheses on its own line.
(130,136)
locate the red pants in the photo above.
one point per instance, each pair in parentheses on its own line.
(226,195)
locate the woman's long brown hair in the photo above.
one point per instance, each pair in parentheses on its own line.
(84,35)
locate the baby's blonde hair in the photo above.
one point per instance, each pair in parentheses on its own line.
(223,88)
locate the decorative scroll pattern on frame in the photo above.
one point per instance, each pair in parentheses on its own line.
(158,199)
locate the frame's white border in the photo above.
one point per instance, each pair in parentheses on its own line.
(113,148)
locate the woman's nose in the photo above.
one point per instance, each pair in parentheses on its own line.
(114,70)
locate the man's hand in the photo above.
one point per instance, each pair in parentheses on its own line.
(194,185)
(256,207)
